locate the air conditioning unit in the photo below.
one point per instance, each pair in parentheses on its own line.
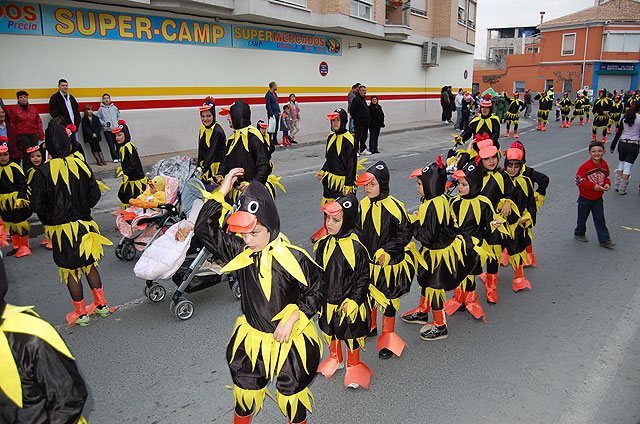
(431,53)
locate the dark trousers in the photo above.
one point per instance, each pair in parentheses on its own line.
(374,133)
(595,207)
(28,140)
(446,113)
(111,142)
(361,137)
(274,135)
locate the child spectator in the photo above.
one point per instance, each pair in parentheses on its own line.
(109,115)
(285,124)
(592,180)
(294,116)
(91,130)
(377,122)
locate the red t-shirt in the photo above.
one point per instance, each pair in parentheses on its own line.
(590,174)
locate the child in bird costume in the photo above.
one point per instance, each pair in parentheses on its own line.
(346,315)
(385,230)
(282,290)
(36,156)
(133,177)
(339,172)
(63,193)
(14,203)
(211,141)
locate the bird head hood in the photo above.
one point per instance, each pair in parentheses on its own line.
(433,178)
(158,182)
(255,206)
(473,172)
(380,172)
(58,140)
(342,114)
(349,207)
(122,126)
(240,114)
(518,145)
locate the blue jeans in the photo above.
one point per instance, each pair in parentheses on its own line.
(587,206)
(458,118)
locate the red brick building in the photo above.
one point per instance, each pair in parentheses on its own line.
(598,47)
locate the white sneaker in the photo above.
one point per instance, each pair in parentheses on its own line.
(353,386)
(366,152)
(358,154)
(116,161)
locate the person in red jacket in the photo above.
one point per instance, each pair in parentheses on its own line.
(592,180)
(26,119)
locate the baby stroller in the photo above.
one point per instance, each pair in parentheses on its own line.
(180,256)
(139,227)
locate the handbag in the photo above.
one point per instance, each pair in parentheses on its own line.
(272,125)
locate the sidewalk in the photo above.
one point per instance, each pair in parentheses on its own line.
(304,140)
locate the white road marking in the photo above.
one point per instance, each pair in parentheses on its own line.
(546,162)
(408,155)
(595,386)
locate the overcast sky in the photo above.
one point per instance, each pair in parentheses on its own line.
(501,13)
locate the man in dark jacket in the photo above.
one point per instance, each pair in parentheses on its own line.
(273,109)
(64,105)
(445,102)
(361,118)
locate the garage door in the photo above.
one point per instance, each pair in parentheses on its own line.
(614,82)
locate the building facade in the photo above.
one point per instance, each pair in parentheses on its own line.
(159,59)
(594,48)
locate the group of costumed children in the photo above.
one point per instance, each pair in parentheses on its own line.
(364,259)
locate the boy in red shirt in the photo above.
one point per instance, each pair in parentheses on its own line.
(592,180)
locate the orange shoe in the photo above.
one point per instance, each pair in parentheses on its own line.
(544,127)
(389,339)
(23,250)
(515,134)
(519,282)
(507,134)
(453,304)
(491,286)
(237,419)
(473,306)
(593,137)
(358,374)
(334,361)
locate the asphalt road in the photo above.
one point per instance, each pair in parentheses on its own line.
(566,351)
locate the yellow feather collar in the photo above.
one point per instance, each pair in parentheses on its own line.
(391,204)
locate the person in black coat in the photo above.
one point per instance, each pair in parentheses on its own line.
(359,110)
(91,129)
(377,122)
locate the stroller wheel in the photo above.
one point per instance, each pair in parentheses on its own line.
(183,309)
(155,293)
(128,252)
(235,289)
(118,252)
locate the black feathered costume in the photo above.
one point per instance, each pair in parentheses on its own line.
(385,230)
(245,148)
(345,261)
(473,215)
(13,192)
(211,144)
(274,282)
(133,177)
(63,192)
(39,381)
(340,166)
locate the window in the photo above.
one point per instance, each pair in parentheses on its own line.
(361,9)
(568,44)
(622,42)
(419,7)
(533,49)
(472,15)
(301,3)
(548,85)
(461,8)
(518,86)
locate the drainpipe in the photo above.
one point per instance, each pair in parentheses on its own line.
(584,57)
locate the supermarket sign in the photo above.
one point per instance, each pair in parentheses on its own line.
(62,21)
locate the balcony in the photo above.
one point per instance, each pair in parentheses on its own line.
(397,14)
